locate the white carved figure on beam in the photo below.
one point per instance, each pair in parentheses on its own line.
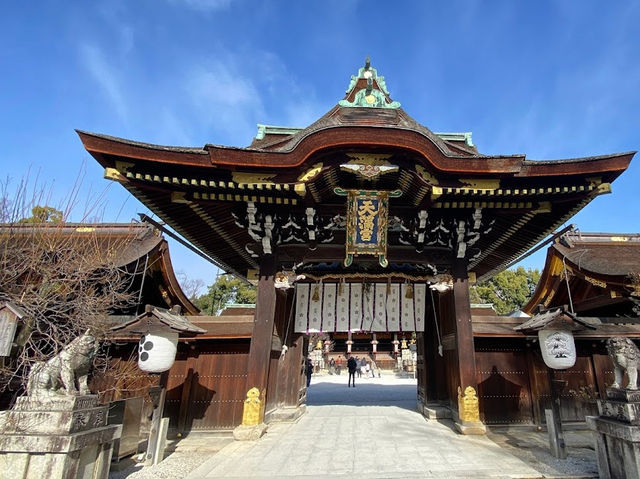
(626,357)
(310,212)
(462,245)
(266,240)
(251,213)
(477,218)
(422,224)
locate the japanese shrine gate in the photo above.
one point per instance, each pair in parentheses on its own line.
(358,208)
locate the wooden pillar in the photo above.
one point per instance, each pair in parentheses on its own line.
(464,330)
(260,349)
(468,408)
(296,379)
(253,425)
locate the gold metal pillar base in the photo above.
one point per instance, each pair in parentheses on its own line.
(253,412)
(469,413)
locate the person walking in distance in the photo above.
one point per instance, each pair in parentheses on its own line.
(309,370)
(352,365)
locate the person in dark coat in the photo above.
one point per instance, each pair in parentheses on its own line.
(309,371)
(352,365)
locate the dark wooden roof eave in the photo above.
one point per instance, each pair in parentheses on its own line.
(99,145)
(213,156)
(615,164)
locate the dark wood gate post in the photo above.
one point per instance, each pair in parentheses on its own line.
(263,320)
(468,409)
(259,353)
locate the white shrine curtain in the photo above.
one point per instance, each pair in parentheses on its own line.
(330,307)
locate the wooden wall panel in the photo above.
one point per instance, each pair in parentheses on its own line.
(178,379)
(276,368)
(603,367)
(514,364)
(577,397)
(296,379)
(577,393)
(503,384)
(217,390)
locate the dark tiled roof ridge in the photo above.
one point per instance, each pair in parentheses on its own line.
(150,146)
(576,159)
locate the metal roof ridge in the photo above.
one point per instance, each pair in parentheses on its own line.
(577,159)
(142,144)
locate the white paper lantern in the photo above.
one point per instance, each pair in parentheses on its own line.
(157,351)
(558,348)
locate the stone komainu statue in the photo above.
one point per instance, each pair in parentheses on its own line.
(626,357)
(71,364)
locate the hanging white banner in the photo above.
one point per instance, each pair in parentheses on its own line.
(393,309)
(420,296)
(329,308)
(342,308)
(379,308)
(407,322)
(355,315)
(302,304)
(354,307)
(315,309)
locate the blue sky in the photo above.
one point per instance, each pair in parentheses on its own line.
(549,79)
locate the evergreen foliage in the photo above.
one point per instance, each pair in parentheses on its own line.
(43,214)
(508,291)
(226,290)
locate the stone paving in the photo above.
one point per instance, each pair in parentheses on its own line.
(371,431)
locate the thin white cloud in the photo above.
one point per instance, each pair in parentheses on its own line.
(106,77)
(228,99)
(203,4)
(232,94)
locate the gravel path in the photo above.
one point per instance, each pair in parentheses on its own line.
(533,448)
(175,466)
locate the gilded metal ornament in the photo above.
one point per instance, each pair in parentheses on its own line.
(252,408)
(468,405)
(367,213)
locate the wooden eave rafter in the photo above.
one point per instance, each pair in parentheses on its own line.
(216,234)
(172,282)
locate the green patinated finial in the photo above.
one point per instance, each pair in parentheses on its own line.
(369,86)
(369,96)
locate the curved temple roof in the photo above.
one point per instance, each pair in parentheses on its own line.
(455,202)
(135,247)
(603,271)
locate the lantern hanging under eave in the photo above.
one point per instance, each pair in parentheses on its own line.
(157,351)
(159,331)
(558,348)
(555,329)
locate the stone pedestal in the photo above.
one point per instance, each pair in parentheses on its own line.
(471,428)
(617,432)
(61,437)
(249,433)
